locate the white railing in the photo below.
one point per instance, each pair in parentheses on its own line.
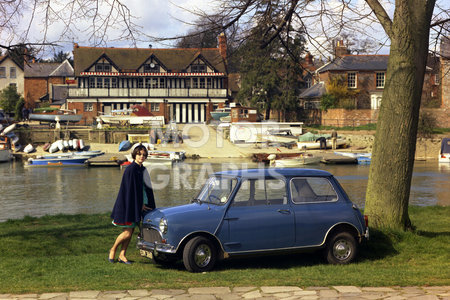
(135,92)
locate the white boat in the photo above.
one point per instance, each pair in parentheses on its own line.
(136,115)
(354,154)
(161,157)
(316,145)
(28,148)
(444,154)
(293,162)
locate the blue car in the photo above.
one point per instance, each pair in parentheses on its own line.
(246,212)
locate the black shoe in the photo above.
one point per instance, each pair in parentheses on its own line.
(111,260)
(125,262)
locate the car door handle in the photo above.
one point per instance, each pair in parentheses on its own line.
(230,219)
(284,211)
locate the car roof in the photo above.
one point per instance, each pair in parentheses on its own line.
(274,172)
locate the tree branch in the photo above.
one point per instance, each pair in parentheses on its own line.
(381,15)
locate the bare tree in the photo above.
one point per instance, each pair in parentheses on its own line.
(410,28)
(96,19)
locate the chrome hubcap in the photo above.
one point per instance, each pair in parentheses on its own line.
(202,255)
(342,249)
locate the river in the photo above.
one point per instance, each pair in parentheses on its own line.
(49,191)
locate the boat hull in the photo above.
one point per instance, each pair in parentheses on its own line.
(316,145)
(57,161)
(296,162)
(52,118)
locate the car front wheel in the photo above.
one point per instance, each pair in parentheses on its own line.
(341,248)
(199,255)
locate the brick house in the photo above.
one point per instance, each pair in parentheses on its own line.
(44,82)
(366,75)
(11,73)
(183,85)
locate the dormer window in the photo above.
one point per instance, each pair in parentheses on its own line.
(102,67)
(151,68)
(198,68)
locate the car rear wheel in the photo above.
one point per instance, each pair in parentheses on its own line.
(341,248)
(199,255)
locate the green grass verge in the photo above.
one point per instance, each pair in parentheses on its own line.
(69,252)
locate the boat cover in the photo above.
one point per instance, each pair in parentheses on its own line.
(445,146)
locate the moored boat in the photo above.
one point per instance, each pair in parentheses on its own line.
(5,149)
(62,161)
(444,153)
(294,162)
(62,116)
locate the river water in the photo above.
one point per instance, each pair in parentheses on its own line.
(49,191)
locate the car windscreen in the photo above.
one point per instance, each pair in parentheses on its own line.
(217,190)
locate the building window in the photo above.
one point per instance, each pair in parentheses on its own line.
(195,83)
(308,82)
(187,83)
(202,83)
(102,67)
(92,82)
(151,68)
(12,72)
(208,83)
(154,106)
(162,83)
(88,107)
(106,83)
(2,72)
(140,83)
(198,68)
(380,80)
(154,83)
(351,80)
(114,83)
(99,82)
(436,79)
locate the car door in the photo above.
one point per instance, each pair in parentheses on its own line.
(260,217)
(316,208)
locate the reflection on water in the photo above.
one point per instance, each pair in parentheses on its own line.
(42,191)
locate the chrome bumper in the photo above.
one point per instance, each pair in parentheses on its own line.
(366,234)
(155,247)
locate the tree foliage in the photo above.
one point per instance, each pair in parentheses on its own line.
(9,99)
(338,94)
(270,78)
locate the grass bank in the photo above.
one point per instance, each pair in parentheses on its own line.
(69,252)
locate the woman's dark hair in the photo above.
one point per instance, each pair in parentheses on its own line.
(137,150)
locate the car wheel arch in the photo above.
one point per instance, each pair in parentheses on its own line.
(342,227)
(204,234)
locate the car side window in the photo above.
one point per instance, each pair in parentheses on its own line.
(312,190)
(261,192)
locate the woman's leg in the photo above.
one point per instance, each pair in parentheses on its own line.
(122,238)
(125,243)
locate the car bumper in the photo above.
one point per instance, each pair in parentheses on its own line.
(366,233)
(154,247)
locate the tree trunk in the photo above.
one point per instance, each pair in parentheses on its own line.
(394,148)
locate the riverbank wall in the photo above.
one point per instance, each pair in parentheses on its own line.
(205,141)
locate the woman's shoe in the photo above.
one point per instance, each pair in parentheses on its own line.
(125,262)
(111,260)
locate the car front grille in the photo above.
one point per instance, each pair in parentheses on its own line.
(151,235)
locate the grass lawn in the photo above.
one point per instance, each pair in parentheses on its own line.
(69,252)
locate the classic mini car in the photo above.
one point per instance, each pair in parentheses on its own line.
(243,212)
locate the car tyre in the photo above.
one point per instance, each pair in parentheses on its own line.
(341,248)
(199,255)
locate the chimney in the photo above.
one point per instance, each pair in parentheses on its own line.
(340,49)
(223,45)
(308,59)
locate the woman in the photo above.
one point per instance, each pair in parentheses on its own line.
(134,197)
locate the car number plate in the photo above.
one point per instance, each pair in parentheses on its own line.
(146,253)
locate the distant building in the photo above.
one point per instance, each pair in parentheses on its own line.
(183,85)
(11,73)
(47,82)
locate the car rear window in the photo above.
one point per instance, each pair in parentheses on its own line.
(312,190)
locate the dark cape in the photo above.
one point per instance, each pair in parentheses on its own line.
(128,206)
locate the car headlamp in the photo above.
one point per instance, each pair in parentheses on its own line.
(163,225)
